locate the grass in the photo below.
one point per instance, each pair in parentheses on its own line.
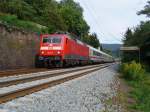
(12,20)
(141,94)
(140,85)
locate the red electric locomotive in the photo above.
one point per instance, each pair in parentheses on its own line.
(61,50)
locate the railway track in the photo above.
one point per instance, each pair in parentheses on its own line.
(12,80)
(16,86)
(20,71)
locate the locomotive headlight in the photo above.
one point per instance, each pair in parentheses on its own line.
(58,52)
(42,52)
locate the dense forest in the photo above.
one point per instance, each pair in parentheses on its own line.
(47,16)
(139,36)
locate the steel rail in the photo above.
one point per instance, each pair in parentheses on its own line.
(38,77)
(20,71)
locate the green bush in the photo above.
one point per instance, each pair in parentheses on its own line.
(132,71)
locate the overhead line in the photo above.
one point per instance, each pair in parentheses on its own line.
(103,26)
(103,34)
(90,10)
(111,34)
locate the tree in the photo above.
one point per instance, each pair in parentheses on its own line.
(72,15)
(17,7)
(139,37)
(47,14)
(146,10)
(93,40)
(44,12)
(128,35)
(64,16)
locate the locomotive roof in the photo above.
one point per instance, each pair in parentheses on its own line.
(99,51)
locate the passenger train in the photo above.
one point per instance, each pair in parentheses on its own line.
(63,49)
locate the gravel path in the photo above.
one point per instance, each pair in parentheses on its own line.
(84,94)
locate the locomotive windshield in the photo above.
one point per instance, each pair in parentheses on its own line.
(52,39)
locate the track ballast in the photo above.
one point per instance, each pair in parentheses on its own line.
(17,86)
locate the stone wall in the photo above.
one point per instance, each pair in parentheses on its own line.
(17,48)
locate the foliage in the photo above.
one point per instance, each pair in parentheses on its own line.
(128,37)
(146,10)
(139,80)
(64,16)
(140,93)
(72,13)
(91,39)
(132,71)
(44,12)
(18,7)
(139,36)
(94,40)
(27,25)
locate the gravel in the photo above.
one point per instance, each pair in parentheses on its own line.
(9,89)
(84,94)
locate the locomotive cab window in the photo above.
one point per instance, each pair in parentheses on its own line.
(56,40)
(52,39)
(45,40)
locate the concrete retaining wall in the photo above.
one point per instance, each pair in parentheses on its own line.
(17,48)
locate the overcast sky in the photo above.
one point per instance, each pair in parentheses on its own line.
(110,18)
